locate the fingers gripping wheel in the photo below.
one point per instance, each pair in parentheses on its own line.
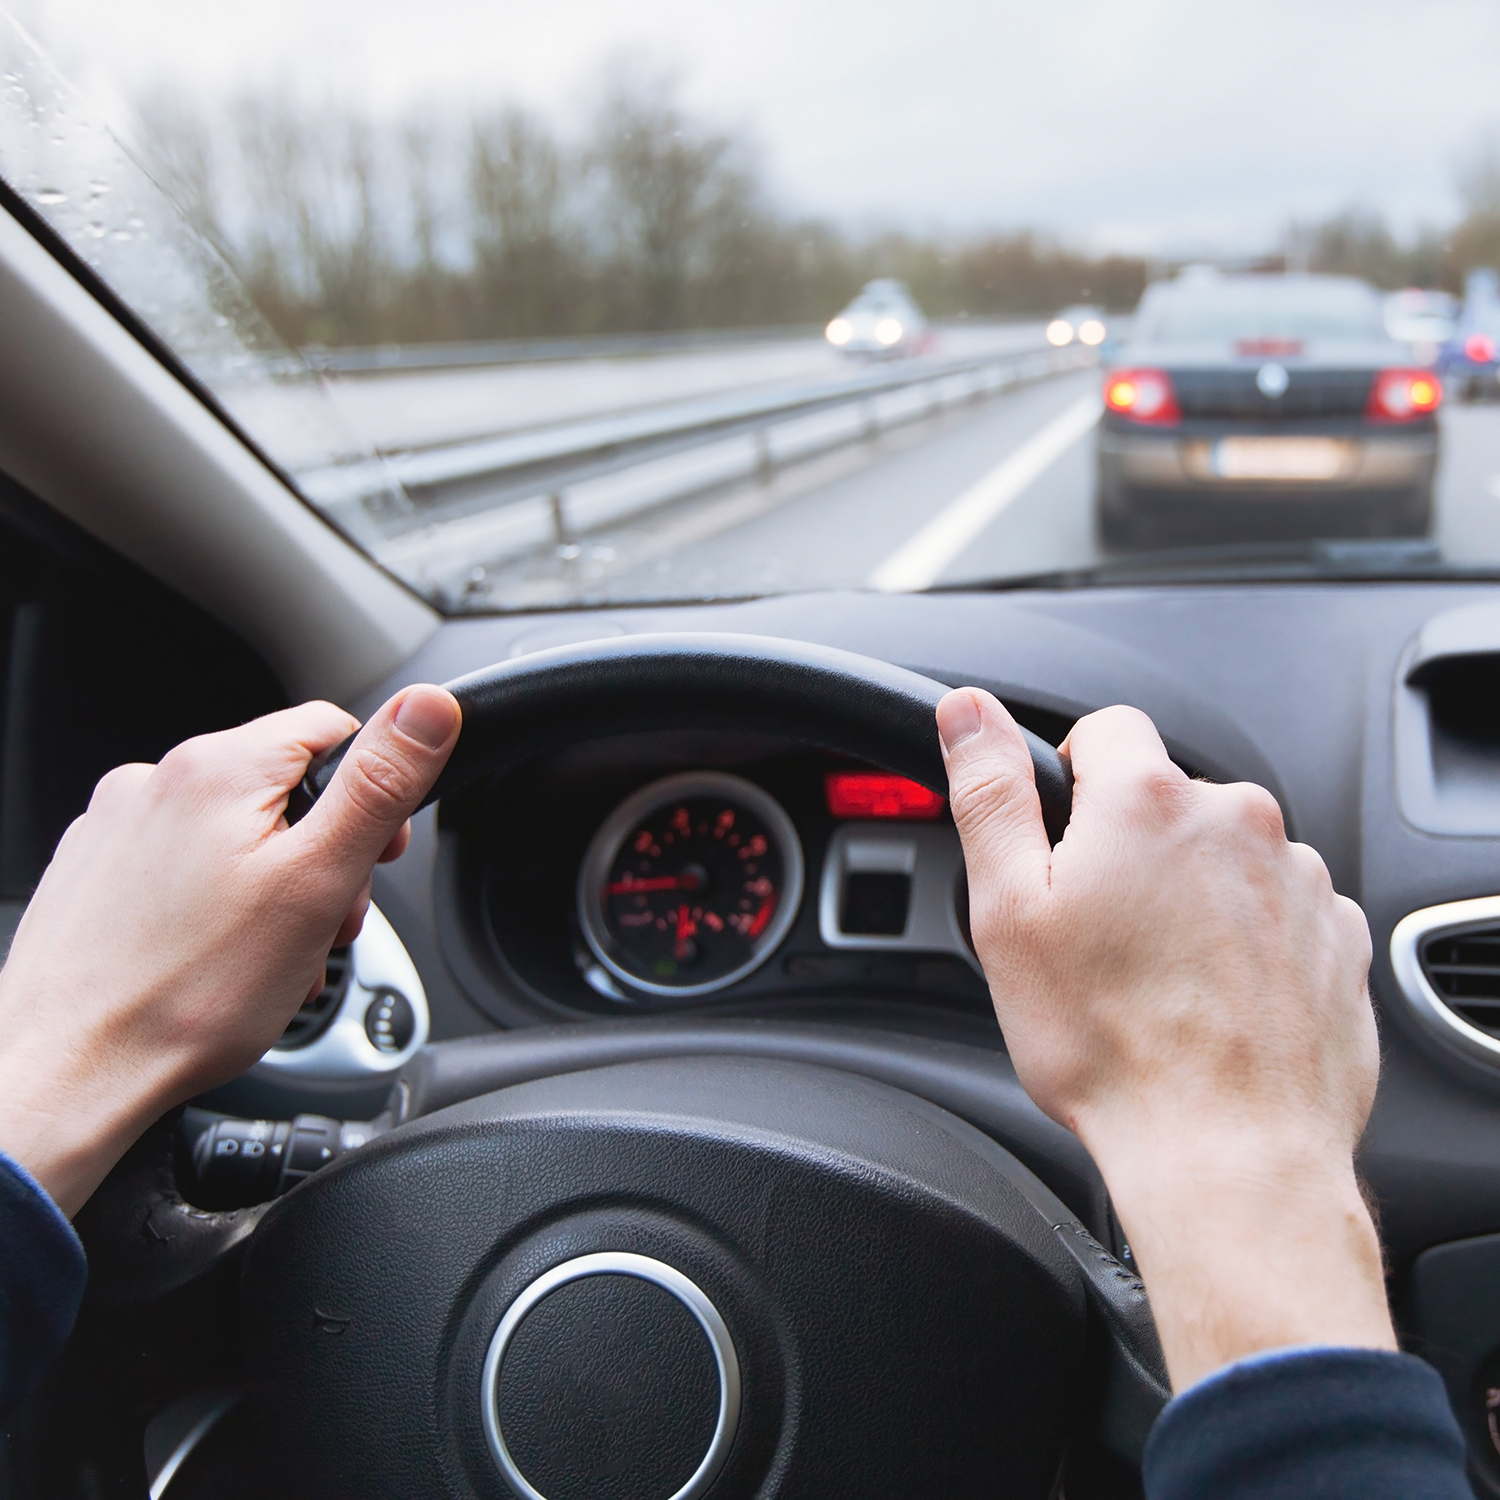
(813,694)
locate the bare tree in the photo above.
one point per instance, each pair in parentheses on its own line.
(1478,175)
(180,151)
(526,251)
(663,176)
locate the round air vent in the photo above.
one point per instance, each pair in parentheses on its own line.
(368,1019)
(318,1011)
(1447,962)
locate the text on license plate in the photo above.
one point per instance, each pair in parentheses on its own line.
(1272,458)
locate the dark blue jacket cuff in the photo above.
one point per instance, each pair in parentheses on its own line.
(42,1276)
(1317,1424)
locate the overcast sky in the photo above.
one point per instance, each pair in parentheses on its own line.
(1159,125)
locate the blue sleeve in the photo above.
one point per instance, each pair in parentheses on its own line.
(1311,1424)
(42,1276)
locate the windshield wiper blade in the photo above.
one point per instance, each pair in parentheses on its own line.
(1394,558)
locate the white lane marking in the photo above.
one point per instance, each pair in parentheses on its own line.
(1494,486)
(921,559)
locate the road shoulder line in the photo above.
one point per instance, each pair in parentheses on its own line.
(921,560)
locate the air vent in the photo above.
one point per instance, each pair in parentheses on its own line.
(1464,968)
(316,1014)
(1447,962)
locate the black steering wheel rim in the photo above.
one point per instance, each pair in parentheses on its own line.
(811,694)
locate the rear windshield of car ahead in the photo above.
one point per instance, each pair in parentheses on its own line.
(1265,311)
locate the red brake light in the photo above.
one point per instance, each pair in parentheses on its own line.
(1480,347)
(1142,396)
(877,794)
(1402,395)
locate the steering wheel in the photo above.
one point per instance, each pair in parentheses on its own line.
(662,1260)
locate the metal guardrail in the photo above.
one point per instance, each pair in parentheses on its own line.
(458,480)
(413,359)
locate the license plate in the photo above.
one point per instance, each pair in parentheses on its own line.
(1280,458)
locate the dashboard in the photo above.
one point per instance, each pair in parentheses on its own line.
(1296,687)
(717,875)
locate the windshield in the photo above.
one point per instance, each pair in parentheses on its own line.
(1264,307)
(543,306)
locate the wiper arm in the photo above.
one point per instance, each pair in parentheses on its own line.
(1232,562)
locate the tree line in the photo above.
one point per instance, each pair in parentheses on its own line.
(346,231)
(350,231)
(1359,242)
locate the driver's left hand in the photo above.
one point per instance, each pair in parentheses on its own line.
(181,923)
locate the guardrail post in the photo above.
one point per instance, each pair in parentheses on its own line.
(765,463)
(872,422)
(559,520)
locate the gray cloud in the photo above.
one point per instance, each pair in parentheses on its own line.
(1152,125)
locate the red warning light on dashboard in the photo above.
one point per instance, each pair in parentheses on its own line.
(877,794)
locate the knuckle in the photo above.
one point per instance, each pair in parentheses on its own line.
(1160,796)
(381,784)
(185,764)
(117,786)
(982,794)
(1110,718)
(1254,809)
(1357,926)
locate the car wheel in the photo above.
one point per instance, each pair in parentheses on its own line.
(1114,528)
(1412,516)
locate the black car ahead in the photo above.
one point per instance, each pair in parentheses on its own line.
(1264,408)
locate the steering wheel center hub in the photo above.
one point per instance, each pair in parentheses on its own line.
(660,1278)
(611,1377)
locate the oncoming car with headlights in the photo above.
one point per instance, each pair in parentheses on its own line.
(1087,324)
(883,320)
(1264,406)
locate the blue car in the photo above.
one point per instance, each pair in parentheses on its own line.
(1469,362)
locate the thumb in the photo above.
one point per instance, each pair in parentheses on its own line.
(389,768)
(992,788)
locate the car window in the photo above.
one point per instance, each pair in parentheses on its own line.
(551,305)
(1266,307)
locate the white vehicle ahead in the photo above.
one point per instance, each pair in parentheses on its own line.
(883,320)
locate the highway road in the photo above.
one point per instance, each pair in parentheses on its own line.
(405,412)
(1002,489)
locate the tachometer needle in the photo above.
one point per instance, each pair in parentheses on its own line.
(686,927)
(631,885)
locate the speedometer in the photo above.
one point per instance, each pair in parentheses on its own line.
(690,884)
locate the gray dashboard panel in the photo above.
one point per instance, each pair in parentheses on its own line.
(1287,685)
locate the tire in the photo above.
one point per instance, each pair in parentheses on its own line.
(1114,528)
(1413,516)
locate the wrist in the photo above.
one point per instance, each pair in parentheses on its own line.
(1248,1242)
(69,1110)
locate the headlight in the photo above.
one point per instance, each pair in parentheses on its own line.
(888,331)
(1091,331)
(1059,332)
(840,331)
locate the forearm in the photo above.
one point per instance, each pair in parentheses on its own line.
(67,1116)
(1247,1245)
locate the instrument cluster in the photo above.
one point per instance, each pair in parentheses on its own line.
(620,881)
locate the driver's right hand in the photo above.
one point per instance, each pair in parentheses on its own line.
(1180,985)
